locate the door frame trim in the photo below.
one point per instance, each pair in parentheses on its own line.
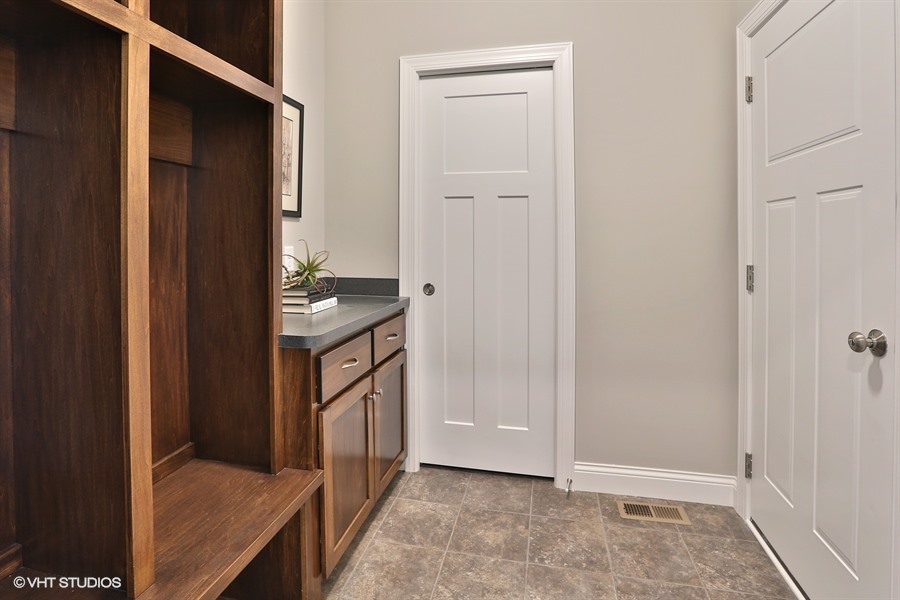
(746,29)
(559,58)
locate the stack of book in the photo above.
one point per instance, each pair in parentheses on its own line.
(307,301)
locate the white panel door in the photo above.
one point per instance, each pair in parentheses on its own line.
(488,246)
(824,251)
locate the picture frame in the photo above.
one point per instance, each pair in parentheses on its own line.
(291,158)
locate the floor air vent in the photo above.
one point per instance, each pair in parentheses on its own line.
(658,513)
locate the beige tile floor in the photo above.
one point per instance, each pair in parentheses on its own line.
(447,533)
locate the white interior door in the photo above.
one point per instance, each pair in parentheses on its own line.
(487,245)
(824,218)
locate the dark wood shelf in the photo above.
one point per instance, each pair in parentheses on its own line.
(212,518)
(120,18)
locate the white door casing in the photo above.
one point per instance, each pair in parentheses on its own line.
(487,345)
(818,222)
(559,58)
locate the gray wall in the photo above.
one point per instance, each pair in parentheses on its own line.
(656,189)
(304,81)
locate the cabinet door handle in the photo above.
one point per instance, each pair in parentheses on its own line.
(350,363)
(392,337)
(371,397)
(379,392)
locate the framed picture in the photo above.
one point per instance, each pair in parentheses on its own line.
(291,158)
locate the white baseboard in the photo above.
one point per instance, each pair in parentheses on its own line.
(682,486)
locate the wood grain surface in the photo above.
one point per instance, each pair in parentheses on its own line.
(345,434)
(212,519)
(135,297)
(67,302)
(390,420)
(168,308)
(7,466)
(388,337)
(228,270)
(7,83)
(120,18)
(343,365)
(171,130)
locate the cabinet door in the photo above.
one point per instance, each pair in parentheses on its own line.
(345,431)
(390,419)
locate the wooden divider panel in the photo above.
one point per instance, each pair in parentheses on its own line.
(66,301)
(168,308)
(7,497)
(228,272)
(171,131)
(7,83)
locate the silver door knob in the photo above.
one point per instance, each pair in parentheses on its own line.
(876,341)
(428,289)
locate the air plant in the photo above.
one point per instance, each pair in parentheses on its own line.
(308,273)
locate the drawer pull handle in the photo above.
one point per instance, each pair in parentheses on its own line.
(392,337)
(350,363)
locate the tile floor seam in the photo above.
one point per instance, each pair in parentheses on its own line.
(612,573)
(473,555)
(450,539)
(694,564)
(675,583)
(528,543)
(362,554)
(506,512)
(427,502)
(402,483)
(389,504)
(414,547)
(731,538)
(713,588)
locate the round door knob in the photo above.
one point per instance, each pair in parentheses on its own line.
(428,289)
(876,341)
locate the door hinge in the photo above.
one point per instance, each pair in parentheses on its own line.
(750,279)
(748,465)
(748,89)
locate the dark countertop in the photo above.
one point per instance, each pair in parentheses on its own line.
(351,314)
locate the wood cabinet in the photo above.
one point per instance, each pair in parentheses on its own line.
(346,434)
(357,393)
(389,419)
(362,432)
(140,400)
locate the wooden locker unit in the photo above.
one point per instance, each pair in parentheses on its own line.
(141,412)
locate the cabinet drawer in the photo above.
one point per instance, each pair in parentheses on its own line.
(345,364)
(389,337)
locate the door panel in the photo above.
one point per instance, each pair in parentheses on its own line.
(390,419)
(808,106)
(346,436)
(467,116)
(781,350)
(488,240)
(458,322)
(837,426)
(824,250)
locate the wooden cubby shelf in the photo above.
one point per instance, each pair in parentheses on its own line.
(143,431)
(212,518)
(247,74)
